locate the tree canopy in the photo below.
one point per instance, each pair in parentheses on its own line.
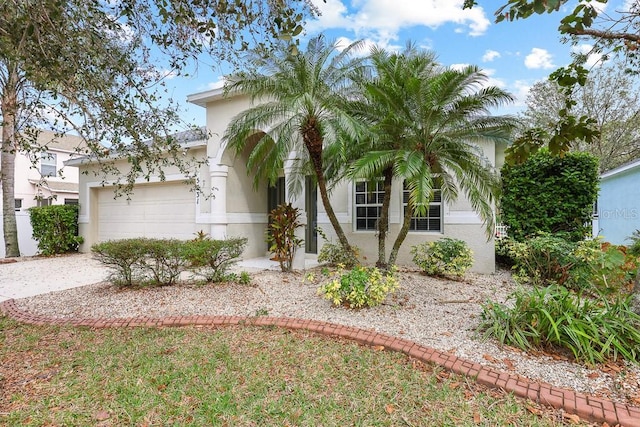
(90,66)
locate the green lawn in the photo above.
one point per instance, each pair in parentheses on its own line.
(241,376)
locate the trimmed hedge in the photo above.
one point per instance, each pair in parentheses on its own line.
(160,262)
(55,228)
(550,194)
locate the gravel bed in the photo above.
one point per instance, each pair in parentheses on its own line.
(438,313)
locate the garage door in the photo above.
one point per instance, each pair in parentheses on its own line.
(155,210)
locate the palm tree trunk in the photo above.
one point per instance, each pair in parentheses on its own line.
(9,109)
(383,223)
(313,143)
(406,223)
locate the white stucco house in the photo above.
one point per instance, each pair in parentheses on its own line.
(170,209)
(42,179)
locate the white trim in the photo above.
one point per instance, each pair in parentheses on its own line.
(343,218)
(232,218)
(203,98)
(620,169)
(461,217)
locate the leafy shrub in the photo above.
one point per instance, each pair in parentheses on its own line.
(589,265)
(334,254)
(282,239)
(445,256)
(123,257)
(550,194)
(359,287)
(543,259)
(552,318)
(212,259)
(634,247)
(162,261)
(55,228)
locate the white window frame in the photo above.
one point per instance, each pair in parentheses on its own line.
(367,200)
(435,203)
(47,162)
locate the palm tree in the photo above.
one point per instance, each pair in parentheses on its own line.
(301,99)
(426,121)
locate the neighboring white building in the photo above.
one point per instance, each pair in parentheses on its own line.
(170,209)
(42,179)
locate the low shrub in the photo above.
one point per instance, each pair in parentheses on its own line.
(161,261)
(552,318)
(444,257)
(123,257)
(588,265)
(281,237)
(212,259)
(164,260)
(359,287)
(55,228)
(543,259)
(634,247)
(335,255)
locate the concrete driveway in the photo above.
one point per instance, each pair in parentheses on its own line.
(34,276)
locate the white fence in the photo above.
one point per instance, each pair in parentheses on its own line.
(28,246)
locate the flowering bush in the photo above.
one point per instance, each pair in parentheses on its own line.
(359,287)
(443,257)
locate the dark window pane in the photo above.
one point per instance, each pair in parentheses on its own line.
(434,225)
(361,224)
(372,212)
(361,187)
(360,199)
(371,224)
(361,212)
(434,211)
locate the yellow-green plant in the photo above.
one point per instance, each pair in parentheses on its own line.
(444,257)
(359,287)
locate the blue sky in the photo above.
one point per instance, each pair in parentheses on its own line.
(514,54)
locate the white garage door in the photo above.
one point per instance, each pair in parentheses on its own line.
(155,210)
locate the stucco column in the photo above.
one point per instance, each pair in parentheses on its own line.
(218,175)
(297,201)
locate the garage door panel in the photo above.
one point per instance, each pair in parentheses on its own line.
(154,210)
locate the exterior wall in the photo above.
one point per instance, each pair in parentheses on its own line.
(243,212)
(96,188)
(619,206)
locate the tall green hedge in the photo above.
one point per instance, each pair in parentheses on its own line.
(551,194)
(55,228)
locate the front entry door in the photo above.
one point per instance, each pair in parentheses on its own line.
(275,197)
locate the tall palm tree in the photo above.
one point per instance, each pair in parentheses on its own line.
(426,121)
(300,103)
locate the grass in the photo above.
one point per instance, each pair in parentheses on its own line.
(232,377)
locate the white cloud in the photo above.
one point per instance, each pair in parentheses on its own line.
(490,55)
(520,90)
(538,58)
(593,59)
(381,20)
(458,67)
(599,7)
(217,84)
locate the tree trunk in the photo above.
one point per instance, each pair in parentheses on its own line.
(9,110)
(383,223)
(393,256)
(313,143)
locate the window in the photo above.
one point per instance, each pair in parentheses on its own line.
(18,204)
(70,201)
(369,198)
(432,219)
(48,164)
(44,202)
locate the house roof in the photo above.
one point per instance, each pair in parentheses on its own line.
(56,186)
(620,169)
(202,98)
(65,143)
(189,138)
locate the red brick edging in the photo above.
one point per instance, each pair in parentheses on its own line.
(586,407)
